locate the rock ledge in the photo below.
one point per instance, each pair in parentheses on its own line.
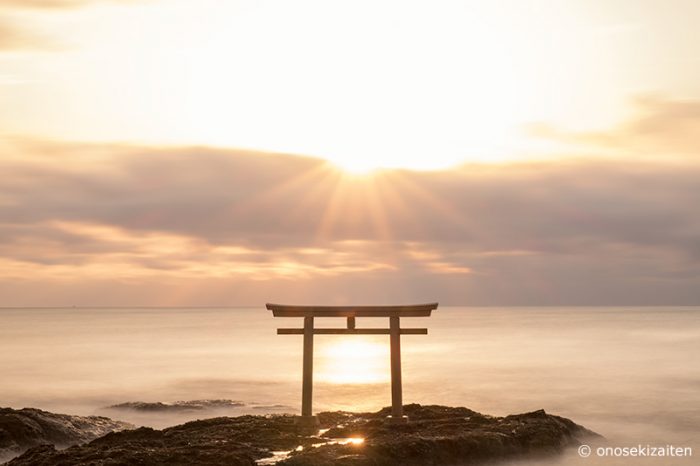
(436,435)
(21,429)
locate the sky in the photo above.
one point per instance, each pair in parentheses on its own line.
(180,153)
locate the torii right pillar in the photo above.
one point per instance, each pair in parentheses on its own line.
(397,415)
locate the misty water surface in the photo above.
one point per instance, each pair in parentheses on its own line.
(630,374)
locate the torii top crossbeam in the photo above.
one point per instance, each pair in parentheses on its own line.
(412,310)
(394,313)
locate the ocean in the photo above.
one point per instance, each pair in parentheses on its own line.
(631,374)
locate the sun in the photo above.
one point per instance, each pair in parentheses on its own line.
(370,159)
(354,361)
(357,166)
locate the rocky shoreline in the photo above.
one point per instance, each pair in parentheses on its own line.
(435,435)
(21,429)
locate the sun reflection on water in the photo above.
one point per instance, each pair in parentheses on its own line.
(354,360)
(352,441)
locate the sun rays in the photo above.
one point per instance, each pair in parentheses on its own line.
(352,211)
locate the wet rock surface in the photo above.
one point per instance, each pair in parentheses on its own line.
(21,429)
(435,435)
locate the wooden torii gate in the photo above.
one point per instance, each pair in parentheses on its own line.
(394,313)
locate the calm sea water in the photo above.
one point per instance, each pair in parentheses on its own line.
(631,374)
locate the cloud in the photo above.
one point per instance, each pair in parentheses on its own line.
(661,127)
(665,125)
(116,224)
(14,38)
(76,250)
(54,4)
(18,31)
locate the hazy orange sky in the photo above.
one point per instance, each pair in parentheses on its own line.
(512,152)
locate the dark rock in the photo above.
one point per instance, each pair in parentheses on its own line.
(440,435)
(436,435)
(21,429)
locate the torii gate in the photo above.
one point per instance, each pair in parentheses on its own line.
(394,313)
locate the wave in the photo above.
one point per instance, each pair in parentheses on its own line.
(176,406)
